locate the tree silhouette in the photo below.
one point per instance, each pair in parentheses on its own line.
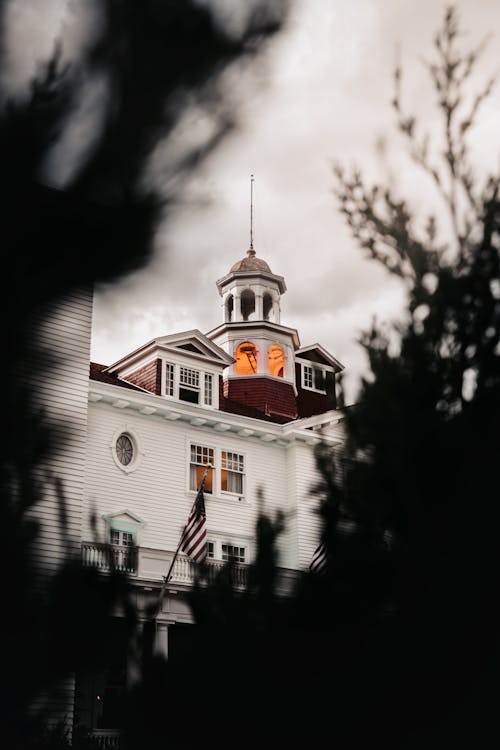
(397,642)
(154,59)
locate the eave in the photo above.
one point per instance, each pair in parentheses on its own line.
(279,280)
(252,325)
(154,407)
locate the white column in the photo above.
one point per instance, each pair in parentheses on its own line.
(276,309)
(237,306)
(160,646)
(259,307)
(134,657)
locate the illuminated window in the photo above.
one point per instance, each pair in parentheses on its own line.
(232,468)
(200,457)
(276,360)
(247,304)
(246,359)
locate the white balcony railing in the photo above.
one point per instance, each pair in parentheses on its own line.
(128,560)
(106,556)
(148,564)
(105,739)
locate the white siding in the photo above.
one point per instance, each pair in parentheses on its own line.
(157,491)
(58,378)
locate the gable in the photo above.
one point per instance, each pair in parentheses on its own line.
(196,343)
(192,344)
(316,353)
(124,517)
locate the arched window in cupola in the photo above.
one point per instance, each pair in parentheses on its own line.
(246,358)
(247,304)
(229,308)
(276,360)
(267,305)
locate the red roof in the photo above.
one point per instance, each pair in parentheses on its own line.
(96,373)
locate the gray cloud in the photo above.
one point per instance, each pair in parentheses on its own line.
(320,93)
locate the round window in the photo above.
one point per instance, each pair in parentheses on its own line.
(124,449)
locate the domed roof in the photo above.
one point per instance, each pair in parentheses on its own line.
(250,263)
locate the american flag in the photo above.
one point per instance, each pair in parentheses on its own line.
(319,559)
(194,539)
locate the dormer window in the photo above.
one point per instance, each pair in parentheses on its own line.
(189,384)
(314,378)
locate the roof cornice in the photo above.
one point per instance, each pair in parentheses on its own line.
(153,406)
(246,325)
(225,280)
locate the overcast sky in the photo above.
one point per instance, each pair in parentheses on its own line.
(322,95)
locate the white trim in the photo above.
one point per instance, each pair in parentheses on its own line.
(313,367)
(138,452)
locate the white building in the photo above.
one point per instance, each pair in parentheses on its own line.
(246,398)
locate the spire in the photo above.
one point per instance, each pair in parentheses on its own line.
(251,251)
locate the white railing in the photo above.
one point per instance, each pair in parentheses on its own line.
(184,571)
(105,739)
(106,556)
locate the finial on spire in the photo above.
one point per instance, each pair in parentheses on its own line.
(251,251)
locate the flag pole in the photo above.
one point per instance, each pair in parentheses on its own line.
(167,577)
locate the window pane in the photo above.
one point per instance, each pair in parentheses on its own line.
(232,472)
(124,449)
(127,539)
(186,394)
(208,389)
(246,359)
(169,379)
(189,377)
(276,360)
(319,379)
(115,536)
(200,457)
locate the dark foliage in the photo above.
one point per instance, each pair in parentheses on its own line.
(397,643)
(157,58)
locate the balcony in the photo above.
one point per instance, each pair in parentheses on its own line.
(151,564)
(107,556)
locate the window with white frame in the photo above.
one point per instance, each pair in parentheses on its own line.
(189,384)
(227,472)
(227,552)
(233,553)
(200,457)
(122,538)
(314,378)
(169,379)
(307,376)
(232,472)
(208,396)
